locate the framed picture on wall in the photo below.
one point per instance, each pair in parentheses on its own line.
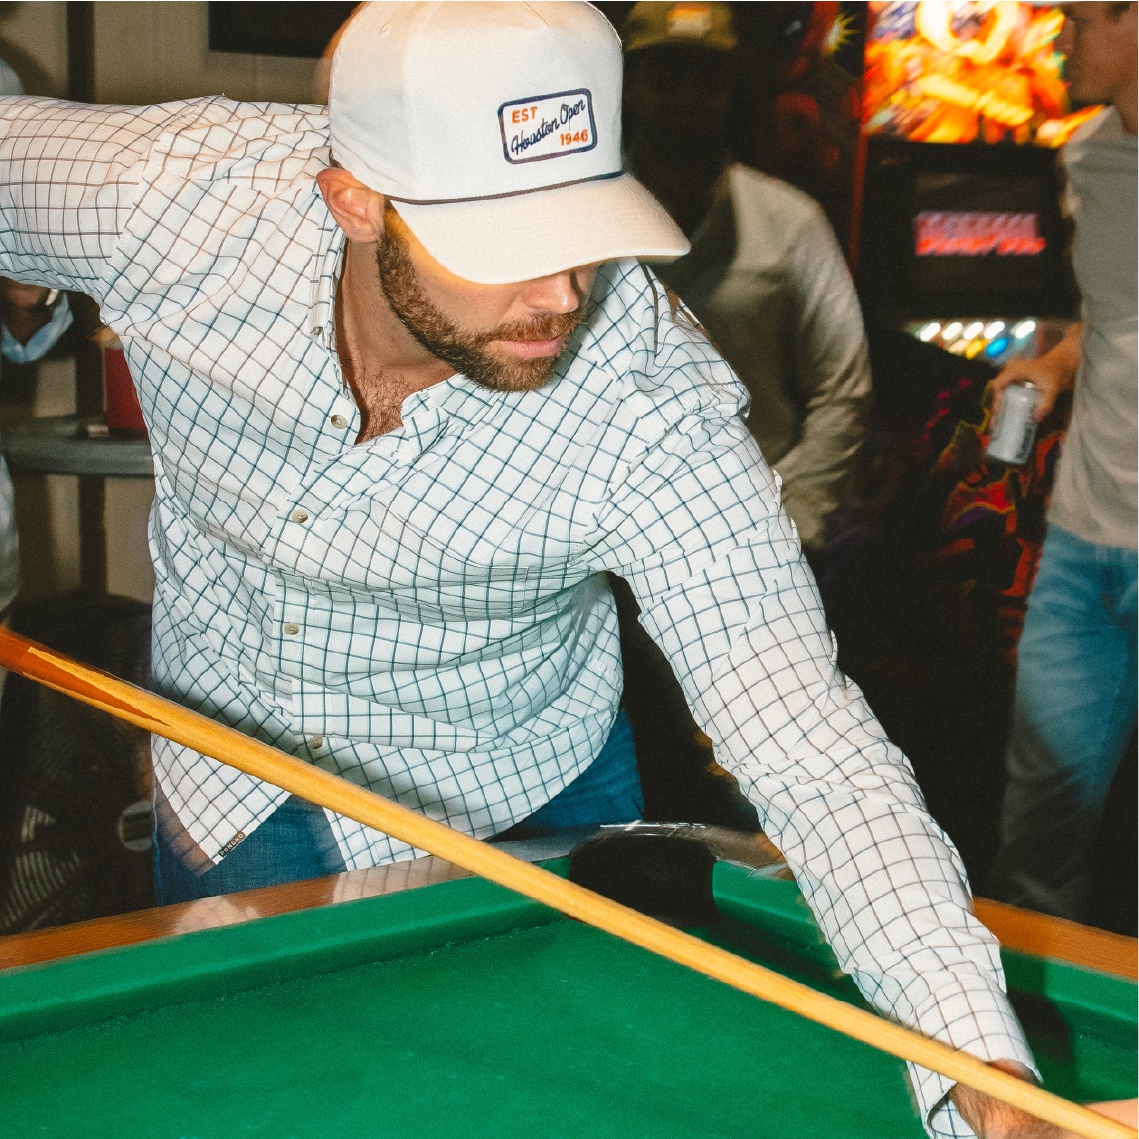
(299,29)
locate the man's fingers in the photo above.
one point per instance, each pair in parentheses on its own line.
(1047,399)
(1013,374)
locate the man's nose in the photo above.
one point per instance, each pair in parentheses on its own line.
(558,293)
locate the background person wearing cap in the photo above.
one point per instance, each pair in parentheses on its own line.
(397,450)
(765,276)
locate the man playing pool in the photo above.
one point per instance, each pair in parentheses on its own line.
(411,396)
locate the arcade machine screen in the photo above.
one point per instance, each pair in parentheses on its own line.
(962,238)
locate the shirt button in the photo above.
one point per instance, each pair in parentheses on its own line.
(291,629)
(339,422)
(316,742)
(299,516)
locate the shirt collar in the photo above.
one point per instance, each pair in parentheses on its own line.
(326,267)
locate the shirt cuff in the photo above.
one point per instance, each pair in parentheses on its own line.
(979,1021)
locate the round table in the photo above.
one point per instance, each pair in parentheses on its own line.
(62,445)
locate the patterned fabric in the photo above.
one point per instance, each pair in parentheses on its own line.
(427,613)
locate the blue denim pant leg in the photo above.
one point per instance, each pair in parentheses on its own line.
(607,791)
(296,841)
(1074,714)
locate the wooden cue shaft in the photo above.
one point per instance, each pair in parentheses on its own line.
(231,747)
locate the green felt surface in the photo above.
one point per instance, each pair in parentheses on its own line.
(463,1010)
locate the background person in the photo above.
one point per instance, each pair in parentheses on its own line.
(1076,665)
(32,320)
(9,81)
(765,277)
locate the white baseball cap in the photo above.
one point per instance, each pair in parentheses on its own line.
(495,130)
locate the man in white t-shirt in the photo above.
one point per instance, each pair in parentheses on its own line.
(1076,671)
(9,81)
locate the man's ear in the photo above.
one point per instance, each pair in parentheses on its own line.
(357,209)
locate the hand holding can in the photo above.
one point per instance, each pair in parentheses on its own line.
(1014,432)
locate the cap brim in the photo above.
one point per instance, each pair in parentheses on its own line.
(499,241)
(713,41)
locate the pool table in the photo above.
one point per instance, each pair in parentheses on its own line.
(415,1002)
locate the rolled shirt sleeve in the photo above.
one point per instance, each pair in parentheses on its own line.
(70,174)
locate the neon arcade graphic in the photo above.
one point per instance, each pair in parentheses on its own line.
(962,238)
(974,233)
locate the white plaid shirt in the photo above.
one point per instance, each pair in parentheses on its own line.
(426,613)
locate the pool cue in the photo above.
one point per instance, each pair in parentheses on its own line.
(231,747)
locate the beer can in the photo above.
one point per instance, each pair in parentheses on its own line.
(1014,432)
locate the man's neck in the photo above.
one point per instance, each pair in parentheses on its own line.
(1128,110)
(1125,95)
(374,331)
(382,362)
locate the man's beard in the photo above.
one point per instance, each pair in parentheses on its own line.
(466,351)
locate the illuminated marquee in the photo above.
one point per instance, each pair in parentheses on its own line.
(973,233)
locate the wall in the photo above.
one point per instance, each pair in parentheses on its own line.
(33,42)
(144,53)
(151,53)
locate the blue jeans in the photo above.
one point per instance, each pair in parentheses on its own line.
(1074,714)
(296,841)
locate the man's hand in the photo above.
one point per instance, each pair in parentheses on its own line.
(24,309)
(1051,374)
(992,1119)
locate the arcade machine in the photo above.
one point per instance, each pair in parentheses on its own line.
(962,238)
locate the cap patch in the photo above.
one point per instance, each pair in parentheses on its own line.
(547,126)
(690,20)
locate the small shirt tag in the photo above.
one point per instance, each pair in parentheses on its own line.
(236,840)
(547,126)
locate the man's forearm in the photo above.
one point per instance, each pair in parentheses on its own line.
(1067,352)
(992,1119)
